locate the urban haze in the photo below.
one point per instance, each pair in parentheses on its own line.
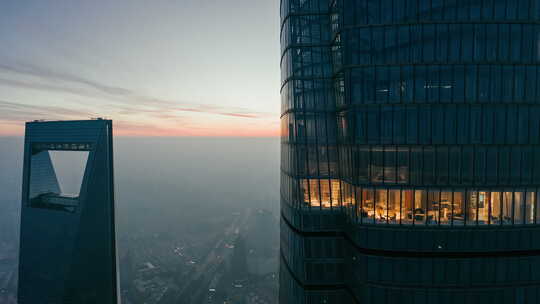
(196,217)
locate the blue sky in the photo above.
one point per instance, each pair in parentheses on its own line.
(183,67)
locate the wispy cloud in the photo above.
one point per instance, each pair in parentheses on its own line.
(120,100)
(11,111)
(45,73)
(135,114)
(220,111)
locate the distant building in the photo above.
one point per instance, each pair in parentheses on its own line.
(68,242)
(410,151)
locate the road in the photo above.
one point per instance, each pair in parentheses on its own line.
(200,278)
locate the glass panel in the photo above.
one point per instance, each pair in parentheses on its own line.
(483,207)
(412,125)
(507,208)
(359,210)
(454,156)
(429,166)
(382,85)
(419,84)
(305,190)
(504,41)
(518,207)
(377,165)
(458,218)
(325,193)
(470,85)
(483,79)
(420,207)
(467,164)
(515,43)
(347,203)
(373,125)
(399,124)
(403,165)
(336,193)
(381,212)
(433,208)
(495,208)
(363,164)
(491,165)
(313,163)
(389,169)
(407,207)
(445,210)
(472,207)
(407,84)
(394,202)
(314,192)
(459,84)
(537,207)
(530,207)
(323,157)
(429,42)
(368,214)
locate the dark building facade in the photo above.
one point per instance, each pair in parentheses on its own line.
(68,242)
(410,158)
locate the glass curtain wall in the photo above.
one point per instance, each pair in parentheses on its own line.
(439,119)
(309,151)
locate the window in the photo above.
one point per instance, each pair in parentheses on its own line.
(433,207)
(381,211)
(394,206)
(530,207)
(483,207)
(368,206)
(420,207)
(407,207)
(507,208)
(458,218)
(496,208)
(471,202)
(519,207)
(325,193)
(445,208)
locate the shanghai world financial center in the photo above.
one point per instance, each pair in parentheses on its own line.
(68,241)
(410,160)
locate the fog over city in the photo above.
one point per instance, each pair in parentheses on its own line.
(197,217)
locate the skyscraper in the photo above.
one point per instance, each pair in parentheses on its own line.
(410,151)
(68,242)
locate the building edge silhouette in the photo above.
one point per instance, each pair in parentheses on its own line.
(68,248)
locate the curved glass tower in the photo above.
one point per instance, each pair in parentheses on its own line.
(410,151)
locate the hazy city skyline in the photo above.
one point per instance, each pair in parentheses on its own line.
(160,68)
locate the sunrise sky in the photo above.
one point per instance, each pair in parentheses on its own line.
(157,68)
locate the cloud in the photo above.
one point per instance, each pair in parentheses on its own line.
(44,87)
(218,111)
(42,72)
(240,115)
(134,113)
(120,100)
(17,112)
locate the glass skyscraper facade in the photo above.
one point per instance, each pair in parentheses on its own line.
(68,241)
(410,151)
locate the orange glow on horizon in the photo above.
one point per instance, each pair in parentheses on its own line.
(11,129)
(118,131)
(121,129)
